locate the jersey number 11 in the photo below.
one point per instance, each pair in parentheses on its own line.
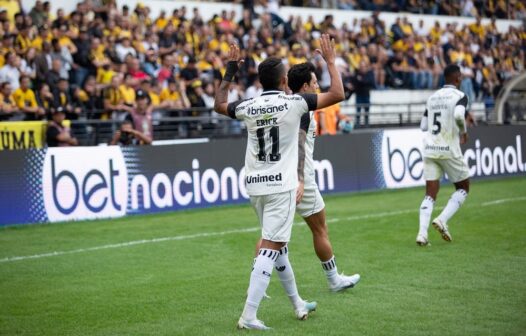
(274,156)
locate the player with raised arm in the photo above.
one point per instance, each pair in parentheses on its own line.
(302,79)
(271,162)
(444,124)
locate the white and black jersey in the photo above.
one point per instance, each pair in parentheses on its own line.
(272,120)
(441,141)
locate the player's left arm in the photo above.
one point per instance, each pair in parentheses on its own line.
(461,114)
(302,139)
(423,122)
(221,98)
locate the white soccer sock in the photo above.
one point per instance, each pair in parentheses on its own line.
(426,209)
(454,203)
(286,276)
(331,271)
(259,280)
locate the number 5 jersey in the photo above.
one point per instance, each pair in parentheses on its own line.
(273,122)
(441,141)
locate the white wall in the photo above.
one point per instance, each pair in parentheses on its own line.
(208,9)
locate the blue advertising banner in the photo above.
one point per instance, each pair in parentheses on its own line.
(77,183)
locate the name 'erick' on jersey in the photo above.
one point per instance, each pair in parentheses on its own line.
(441,141)
(273,121)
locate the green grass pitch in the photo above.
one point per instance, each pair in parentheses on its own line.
(194,281)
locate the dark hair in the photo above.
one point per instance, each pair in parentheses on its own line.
(450,70)
(300,74)
(270,72)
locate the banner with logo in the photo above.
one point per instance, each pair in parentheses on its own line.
(22,134)
(78,183)
(490,151)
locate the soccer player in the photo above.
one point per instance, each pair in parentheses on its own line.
(444,124)
(302,79)
(271,161)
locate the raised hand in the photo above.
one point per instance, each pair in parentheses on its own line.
(234,54)
(327,49)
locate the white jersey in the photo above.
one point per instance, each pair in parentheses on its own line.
(273,121)
(441,141)
(309,172)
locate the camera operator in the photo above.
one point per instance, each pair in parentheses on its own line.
(127,136)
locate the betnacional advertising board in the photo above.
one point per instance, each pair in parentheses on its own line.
(79,183)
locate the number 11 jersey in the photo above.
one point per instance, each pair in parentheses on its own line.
(273,122)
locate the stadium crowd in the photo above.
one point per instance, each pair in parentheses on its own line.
(90,63)
(501,9)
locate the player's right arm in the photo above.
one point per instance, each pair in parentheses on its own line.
(221,99)
(336,93)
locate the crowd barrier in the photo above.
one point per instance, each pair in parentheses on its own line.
(58,184)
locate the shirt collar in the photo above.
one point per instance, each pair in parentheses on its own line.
(271,92)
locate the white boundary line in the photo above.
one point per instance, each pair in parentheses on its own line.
(504,200)
(222,233)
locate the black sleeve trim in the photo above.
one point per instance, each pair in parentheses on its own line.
(231,108)
(425,113)
(311,99)
(305,122)
(463,101)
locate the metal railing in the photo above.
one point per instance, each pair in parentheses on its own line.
(204,123)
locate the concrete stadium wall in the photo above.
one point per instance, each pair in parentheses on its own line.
(207,10)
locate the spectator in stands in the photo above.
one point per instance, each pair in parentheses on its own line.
(174,95)
(27,63)
(127,136)
(45,99)
(26,102)
(255,90)
(7,104)
(63,54)
(10,72)
(125,48)
(154,99)
(81,58)
(114,104)
(58,135)
(141,117)
(151,66)
(127,90)
(43,64)
(363,82)
(62,99)
(88,98)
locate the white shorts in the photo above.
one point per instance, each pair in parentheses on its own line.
(276,214)
(311,203)
(456,169)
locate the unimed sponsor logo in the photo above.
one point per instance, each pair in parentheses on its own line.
(84,183)
(402,160)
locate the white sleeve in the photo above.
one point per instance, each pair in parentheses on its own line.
(460,115)
(423,122)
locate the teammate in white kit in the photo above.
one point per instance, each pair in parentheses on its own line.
(271,162)
(445,125)
(302,79)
